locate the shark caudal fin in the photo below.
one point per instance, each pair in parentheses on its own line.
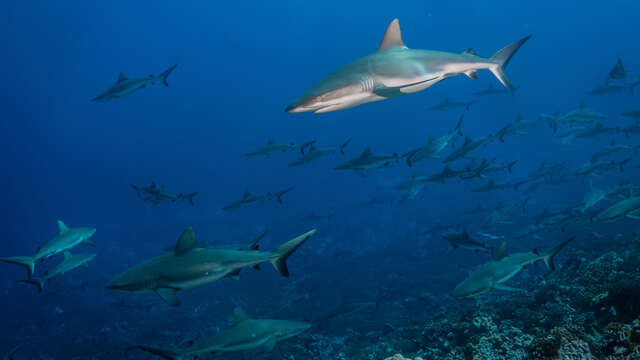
(165,74)
(28,262)
(189,197)
(458,128)
(168,354)
(344,145)
(548,256)
(286,249)
(501,60)
(279,194)
(39,283)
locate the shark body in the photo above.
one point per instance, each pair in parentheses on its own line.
(125,86)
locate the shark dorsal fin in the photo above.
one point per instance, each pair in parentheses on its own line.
(67,255)
(501,253)
(519,117)
(186,242)
(392,37)
(467,140)
(62,227)
(366,152)
(122,78)
(535,251)
(469,51)
(246,194)
(239,315)
(582,105)
(153,185)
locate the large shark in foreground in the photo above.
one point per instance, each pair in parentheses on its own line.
(125,86)
(494,274)
(246,333)
(395,70)
(67,239)
(190,265)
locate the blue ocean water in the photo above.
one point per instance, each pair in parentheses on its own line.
(238,66)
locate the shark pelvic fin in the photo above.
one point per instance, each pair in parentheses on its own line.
(186,242)
(62,227)
(169,295)
(392,37)
(239,315)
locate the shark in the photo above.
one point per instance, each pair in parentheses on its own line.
(583,115)
(249,199)
(395,70)
(491,186)
(634,114)
(494,274)
(611,149)
(313,153)
(155,194)
(271,147)
(621,209)
(592,197)
(442,176)
(434,146)
(633,129)
(69,263)
(125,86)
(245,334)
(367,161)
(190,265)
(465,241)
(600,167)
(613,89)
(598,130)
(447,105)
(467,147)
(67,239)
(520,126)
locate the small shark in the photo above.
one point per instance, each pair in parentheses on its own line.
(465,241)
(413,187)
(581,116)
(618,71)
(621,209)
(633,129)
(67,239)
(613,89)
(592,197)
(271,147)
(314,153)
(125,86)
(613,148)
(600,167)
(520,126)
(246,333)
(634,114)
(491,186)
(69,263)
(446,173)
(446,105)
(434,146)
(468,146)
(494,274)
(249,199)
(367,161)
(155,194)
(395,70)
(492,90)
(499,167)
(190,265)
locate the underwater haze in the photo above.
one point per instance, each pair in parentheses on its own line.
(418,199)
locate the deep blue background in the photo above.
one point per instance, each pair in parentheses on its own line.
(239,64)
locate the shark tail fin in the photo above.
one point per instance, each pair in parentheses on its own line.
(458,128)
(549,255)
(344,145)
(279,194)
(163,353)
(286,249)
(26,261)
(189,197)
(165,74)
(501,60)
(39,283)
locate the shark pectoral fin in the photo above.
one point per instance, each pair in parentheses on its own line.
(388,92)
(269,345)
(506,288)
(169,295)
(235,275)
(634,217)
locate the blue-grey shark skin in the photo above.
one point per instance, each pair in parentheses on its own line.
(190,265)
(467,147)
(246,333)
(434,146)
(494,274)
(67,239)
(446,105)
(69,263)
(271,147)
(395,70)
(621,209)
(367,161)
(125,86)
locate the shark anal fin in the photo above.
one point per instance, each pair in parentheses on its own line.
(506,288)
(169,295)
